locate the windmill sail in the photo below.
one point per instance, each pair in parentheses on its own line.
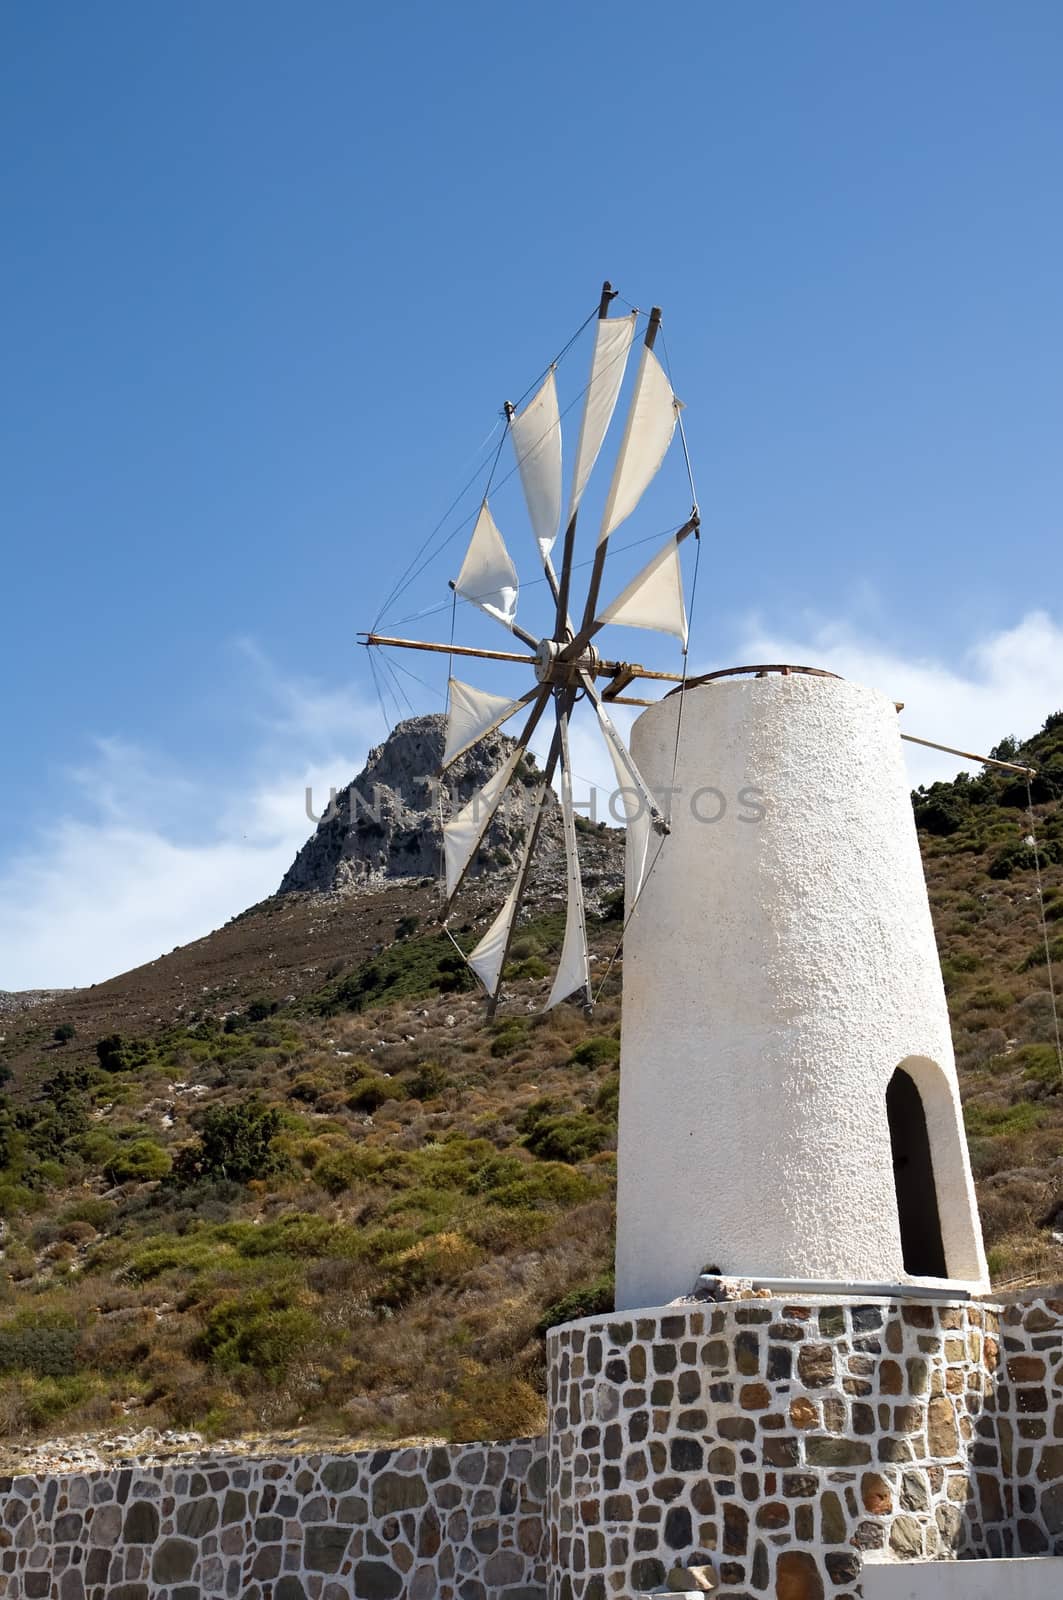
(613,339)
(488,577)
(489,956)
(649,430)
(463,833)
(639,832)
(472,713)
(537,441)
(654,597)
(574,970)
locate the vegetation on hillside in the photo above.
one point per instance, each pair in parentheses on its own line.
(338,1198)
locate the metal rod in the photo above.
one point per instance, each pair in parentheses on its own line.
(521,633)
(989,761)
(445,649)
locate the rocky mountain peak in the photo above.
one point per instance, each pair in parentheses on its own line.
(386,825)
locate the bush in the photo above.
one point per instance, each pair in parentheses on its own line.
(427,1081)
(118,1054)
(407,971)
(139,1162)
(590,1300)
(369,1094)
(260,1330)
(406,927)
(235,1142)
(64,1033)
(939,813)
(555,1135)
(595,1052)
(46,1352)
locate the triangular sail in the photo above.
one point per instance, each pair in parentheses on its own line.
(639,832)
(472,713)
(488,958)
(537,441)
(463,833)
(654,597)
(488,577)
(613,339)
(574,969)
(650,426)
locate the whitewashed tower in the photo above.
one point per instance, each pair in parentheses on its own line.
(789,1105)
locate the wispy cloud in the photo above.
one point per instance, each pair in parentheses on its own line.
(147,857)
(1006,682)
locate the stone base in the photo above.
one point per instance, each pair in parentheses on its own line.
(781,1440)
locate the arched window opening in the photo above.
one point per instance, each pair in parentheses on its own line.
(913,1178)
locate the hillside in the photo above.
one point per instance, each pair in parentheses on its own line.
(287,1177)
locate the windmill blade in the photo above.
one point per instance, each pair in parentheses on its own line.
(623,762)
(463,834)
(573,971)
(488,577)
(474,713)
(647,435)
(654,597)
(612,343)
(537,441)
(488,959)
(640,835)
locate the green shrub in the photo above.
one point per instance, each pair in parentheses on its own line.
(407,971)
(407,926)
(47,1352)
(261,1331)
(235,1142)
(556,1135)
(1039,1063)
(1038,958)
(427,1081)
(64,1033)
(591,1300)
(595,1052)
(607,1100)
(509,1036)
(139,1162)
(369,1094)
(987,1121)
(118,1054)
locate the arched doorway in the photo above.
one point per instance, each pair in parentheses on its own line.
(922,1247)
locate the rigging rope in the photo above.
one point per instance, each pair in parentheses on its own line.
(1044,925)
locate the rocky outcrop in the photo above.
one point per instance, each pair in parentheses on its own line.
(386,825)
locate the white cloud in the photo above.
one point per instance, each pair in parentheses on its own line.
(1005,683)
(148,858)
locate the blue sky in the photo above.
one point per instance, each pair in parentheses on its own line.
(270,271)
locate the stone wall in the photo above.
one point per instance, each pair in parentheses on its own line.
(779,1441)
(1018,1460)
(458,1523)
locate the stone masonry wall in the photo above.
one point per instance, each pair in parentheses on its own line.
(777,1440)
(1018,1459)
(457,1523)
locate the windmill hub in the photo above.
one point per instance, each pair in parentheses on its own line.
(549,668)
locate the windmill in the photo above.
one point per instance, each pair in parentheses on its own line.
(566,662)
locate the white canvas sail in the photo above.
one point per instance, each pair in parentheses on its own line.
(649,430)
(654,597)
(573,971)
(472,713)
(463,833)
(488,577)
(640,834)
(613,339)
(487,959)
(537,441)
